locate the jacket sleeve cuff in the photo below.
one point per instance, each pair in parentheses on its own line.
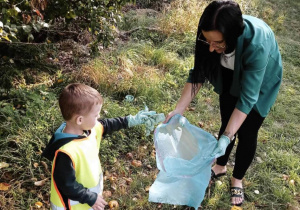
(92,199)
(243,107)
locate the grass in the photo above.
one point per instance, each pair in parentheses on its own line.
(152,66)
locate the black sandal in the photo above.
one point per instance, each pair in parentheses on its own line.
(216,176)
(237,192)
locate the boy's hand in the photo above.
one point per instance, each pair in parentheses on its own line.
(140,118)
(152,121)
(221,147)
(100,203)
(146,117)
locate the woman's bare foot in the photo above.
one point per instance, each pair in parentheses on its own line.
(236,183)
(219,169)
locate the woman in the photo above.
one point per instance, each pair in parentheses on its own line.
(239,56)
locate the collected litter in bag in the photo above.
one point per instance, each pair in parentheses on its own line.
(183,156)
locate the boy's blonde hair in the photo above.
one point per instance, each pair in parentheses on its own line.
(78,99)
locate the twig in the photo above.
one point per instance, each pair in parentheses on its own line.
(139,28)
(19,3)
(57,31)
(27,43)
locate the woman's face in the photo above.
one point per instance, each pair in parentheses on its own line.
(215,40)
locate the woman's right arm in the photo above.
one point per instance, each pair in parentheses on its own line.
(184,101)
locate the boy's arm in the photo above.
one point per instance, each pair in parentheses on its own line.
(113,124)
(64,177)
(145,117)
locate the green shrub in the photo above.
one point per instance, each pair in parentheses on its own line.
(23,21)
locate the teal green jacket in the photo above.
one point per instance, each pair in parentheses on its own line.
(257,71)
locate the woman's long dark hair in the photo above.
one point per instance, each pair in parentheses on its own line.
(225,17)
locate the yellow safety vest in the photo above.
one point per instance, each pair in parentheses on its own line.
(84,154)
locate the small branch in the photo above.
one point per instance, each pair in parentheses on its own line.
(19,3)
(139,28)
(27,43)
(57,31)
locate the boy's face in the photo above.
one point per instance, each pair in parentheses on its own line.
(90,119)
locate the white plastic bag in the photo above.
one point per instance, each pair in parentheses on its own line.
(183,156)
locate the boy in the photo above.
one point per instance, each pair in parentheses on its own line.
(76,180)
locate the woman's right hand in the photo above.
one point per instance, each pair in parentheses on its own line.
(171,114)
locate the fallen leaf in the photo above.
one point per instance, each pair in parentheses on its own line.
(208,100)
(106,194)
(113,186)
(264,141)
(60,80)
(201,124)
(149,166)
(136,163)
(153,154)
(7,176)
(285,177)
(38,204)
(112,179)
(143,174)
(128,180)
(40,183)
(45,166)
(122,189)
(292,207)
(246,182)
(192,109)
(4,186)
(3,165)
(35,165)
(147,188)
(292,182)
(33,191)
(236,208)
(113,204)
(129,155)
(218,182)
(259,160)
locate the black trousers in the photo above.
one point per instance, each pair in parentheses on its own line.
(247,134)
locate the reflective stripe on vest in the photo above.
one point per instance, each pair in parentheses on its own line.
(98,189)
(85,160)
